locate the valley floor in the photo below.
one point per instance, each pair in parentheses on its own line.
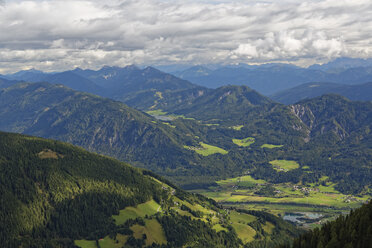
(306,205)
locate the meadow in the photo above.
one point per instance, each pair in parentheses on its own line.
(244,142)
(206,150)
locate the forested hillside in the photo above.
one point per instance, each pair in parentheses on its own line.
(56,195)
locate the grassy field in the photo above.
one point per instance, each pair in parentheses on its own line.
(148,208)
(153,230)
(244,142)
(240,181)
(159,94)
(244,232)
(168,124)
(206,150)
(270,146)
(268,227)
(86,243)
(285,165)
(241,217)
(219,228)
(237,128)
(107,242)
(156,112)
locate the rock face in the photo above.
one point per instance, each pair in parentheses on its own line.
(333,115)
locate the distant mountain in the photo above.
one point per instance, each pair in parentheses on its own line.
(362,92)
(124,81)
(334,115)
(56,195)
(353,230)
(222,103)
(342,64)
(95,123)
(195,71)
(5,83)
(31,75)
(139,88)
(272,78)
(74,81)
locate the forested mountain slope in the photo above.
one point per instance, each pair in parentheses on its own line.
(334,114)
(56,195)
(98,124)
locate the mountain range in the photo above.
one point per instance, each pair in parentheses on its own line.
(269,79)
(359,92)
(132,84)
(192,135)
(175,147)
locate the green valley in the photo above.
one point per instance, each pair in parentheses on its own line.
(284,199)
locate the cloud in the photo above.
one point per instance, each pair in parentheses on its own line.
(59,35)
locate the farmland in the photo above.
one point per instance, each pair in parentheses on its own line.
(287,198)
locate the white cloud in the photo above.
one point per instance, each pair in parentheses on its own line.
(58,35)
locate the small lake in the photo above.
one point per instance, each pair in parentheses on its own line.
(299,217)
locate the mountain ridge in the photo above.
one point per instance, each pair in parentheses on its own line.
(360,92)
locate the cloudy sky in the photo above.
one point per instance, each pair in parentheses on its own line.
(58,35)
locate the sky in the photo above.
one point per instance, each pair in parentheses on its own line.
(59,35)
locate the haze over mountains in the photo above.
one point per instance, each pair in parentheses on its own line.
(272,78)
(132,84)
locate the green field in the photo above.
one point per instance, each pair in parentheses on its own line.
(141,210)
(284,165)
(244,142)
(219,228)
(245,232)
(206,150)
(107,242)
(320,197)
(153,230)
(268,227)
(156,112)
(270,146)
(86,243)
(237,128)
(241,181)
(168,124)
(213,124)
(241,217)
